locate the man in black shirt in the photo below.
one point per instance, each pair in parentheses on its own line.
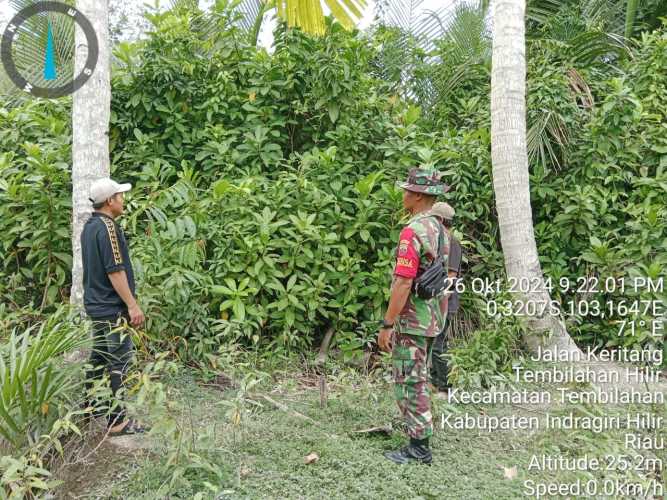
(439,369)
(109,296)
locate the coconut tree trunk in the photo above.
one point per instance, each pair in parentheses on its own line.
(90,128)
(510,171)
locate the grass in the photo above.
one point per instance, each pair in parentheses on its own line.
(262,455)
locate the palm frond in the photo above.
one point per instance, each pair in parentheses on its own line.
(444,82)
(309,15)
(580,88)
(596,46)
(250,16)
(464,47)
(604,15)
(599,13)
(616,17)
(249,10)
(28,380)
(402,17)
(428,25)
(253,32)
(586,33)
(543,135)
(540,11)
(397,14)
(630,14)
(18,5)
(467,33)
(245,15)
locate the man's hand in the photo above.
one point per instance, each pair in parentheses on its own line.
(136,315)
(384,339)
(120,284)
(400,291)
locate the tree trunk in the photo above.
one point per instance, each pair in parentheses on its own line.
(90,130)
(510,171)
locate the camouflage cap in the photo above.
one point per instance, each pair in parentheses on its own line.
(443,210)
(421,180)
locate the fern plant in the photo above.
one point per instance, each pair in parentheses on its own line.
(34,380)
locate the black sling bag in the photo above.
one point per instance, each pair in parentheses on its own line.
(434,279)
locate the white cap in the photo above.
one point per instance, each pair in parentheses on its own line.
(444,210)
(103,189)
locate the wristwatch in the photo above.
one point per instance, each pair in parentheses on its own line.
(386,325)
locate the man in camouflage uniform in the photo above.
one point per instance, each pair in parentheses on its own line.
(439,368)
(413,321)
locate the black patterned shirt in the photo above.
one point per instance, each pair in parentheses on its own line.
(104,250)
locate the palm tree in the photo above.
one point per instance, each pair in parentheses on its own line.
(91,106)
(459,25)
(510,170)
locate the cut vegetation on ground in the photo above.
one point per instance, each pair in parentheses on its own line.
(282,444)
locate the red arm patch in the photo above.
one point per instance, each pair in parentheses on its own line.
(407,258)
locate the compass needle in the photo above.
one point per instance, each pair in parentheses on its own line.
(50,59)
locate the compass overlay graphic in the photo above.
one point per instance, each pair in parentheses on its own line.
(37,49)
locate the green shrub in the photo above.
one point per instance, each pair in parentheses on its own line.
(485,357)
(35,203)
(264,207)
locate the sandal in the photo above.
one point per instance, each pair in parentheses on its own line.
(132,427)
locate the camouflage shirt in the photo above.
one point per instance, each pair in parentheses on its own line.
(417,247)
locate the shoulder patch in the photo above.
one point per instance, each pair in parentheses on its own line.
(113,238)
(405,240)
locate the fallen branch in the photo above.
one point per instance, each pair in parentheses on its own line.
(385,430)
(286,409)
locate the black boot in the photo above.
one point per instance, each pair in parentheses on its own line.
(417,451)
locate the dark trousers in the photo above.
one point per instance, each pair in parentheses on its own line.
(439,368)
(111,352)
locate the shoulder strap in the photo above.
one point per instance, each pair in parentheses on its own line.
(453,241)
(441,237)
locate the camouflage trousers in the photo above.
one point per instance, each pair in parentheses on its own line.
(410,366)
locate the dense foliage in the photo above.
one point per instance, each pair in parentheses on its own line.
(35,192)
(612,217)
(266,190)
(264,209)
